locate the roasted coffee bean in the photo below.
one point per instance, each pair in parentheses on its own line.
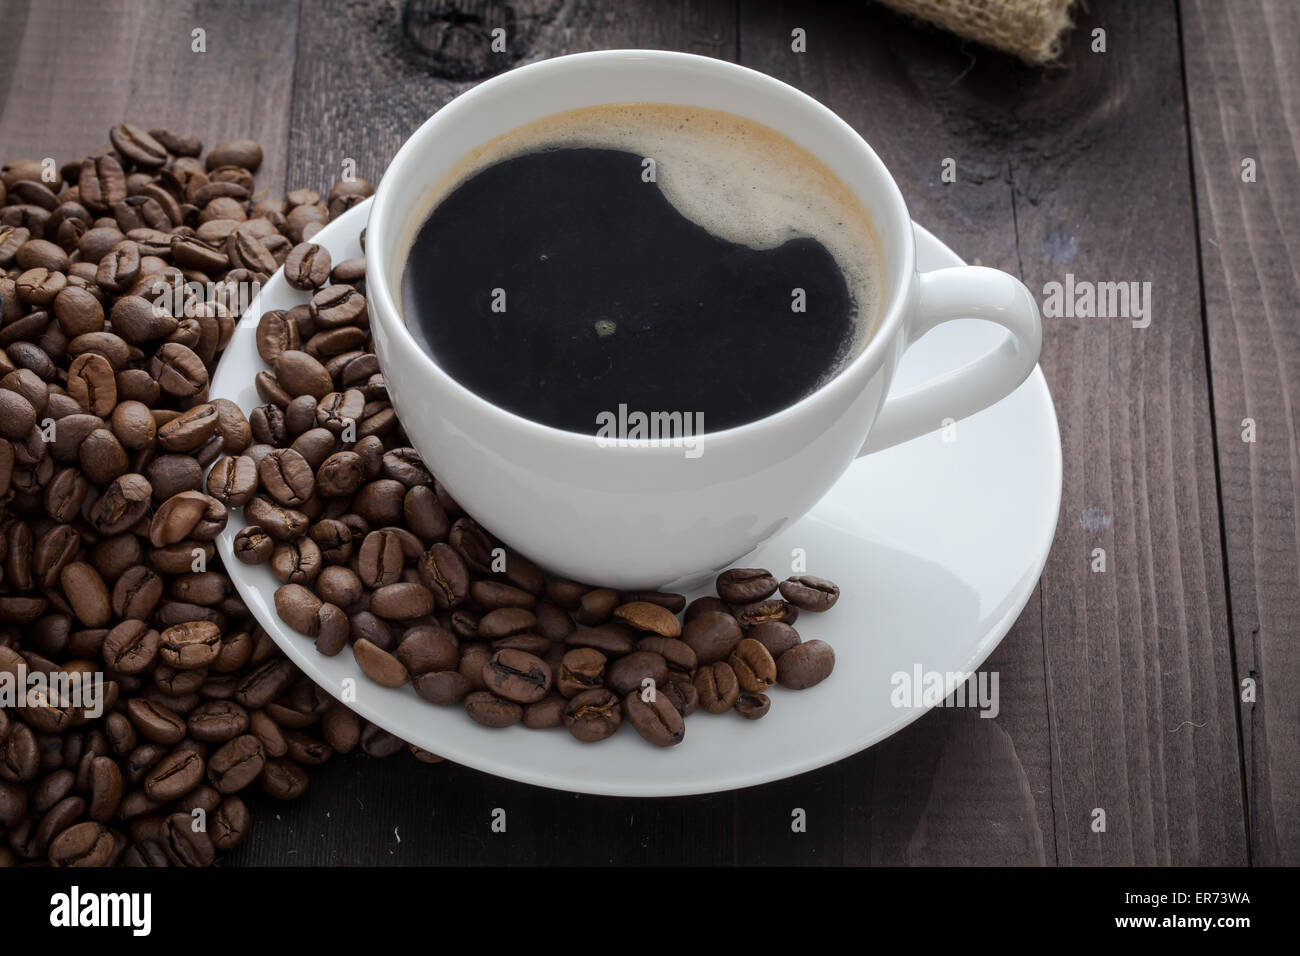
(636,671)
(297,562)
(276,334)
(217,721)
(137,146)
(428,647)
(677,653)
(443,687)
(752,706)
(595,607)
(286,477)
(253,545)
(379,665)
(680,691)
(183,844)
(745,585)
(490,710)
(545,713)
(754,667)
(155,722)
(237,764)
(233,480)
(174,776)
(712,635)
(703,604)
(611,640)
(337,305)
(580,670)
(307,266)
(761,612)
(717,686)
(656,719)
(517,676)
(645,616)
(130,647)
(504,622)
(189,646)
(805,665)
(593,715)
(83,844)
(810,593)
(444,573)
(777,636)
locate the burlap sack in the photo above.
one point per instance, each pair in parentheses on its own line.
(1030,29)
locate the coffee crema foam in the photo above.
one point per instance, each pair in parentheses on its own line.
(738,179)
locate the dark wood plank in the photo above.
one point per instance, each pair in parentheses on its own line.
(69,71)
(951,788)
(1243,90)
(1139,674)
(1054,176)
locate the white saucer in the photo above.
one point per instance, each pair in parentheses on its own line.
(936,545)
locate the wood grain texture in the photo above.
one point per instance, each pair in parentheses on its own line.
(953,787)
(69,70)
(1139,675)
(1243,89)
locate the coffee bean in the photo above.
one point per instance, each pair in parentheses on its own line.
(84,844)
(307,266)
(610,639)
(517,676)
(443,572)
(189,646)
(237,764)
(174,776)
(130,647)
(810,593)
(244,153)
(377,664)
(580,670)
(137,146)
(443,687)
(645,616)
(717,686)
(593,715)
(761,612)
(680,691)
(752,706)
(777,636)
(805,665)
(184,844)
(233,480)
(754,667)
(712,635)
(633,671)
(490,710)
(656,720)
(677,653)
(745,585)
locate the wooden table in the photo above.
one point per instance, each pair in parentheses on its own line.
(1121,690)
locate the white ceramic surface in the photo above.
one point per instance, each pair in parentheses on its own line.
(643,517)
(937,546)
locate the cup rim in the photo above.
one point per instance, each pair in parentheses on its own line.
(382,220)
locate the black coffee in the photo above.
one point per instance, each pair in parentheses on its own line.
(564,282)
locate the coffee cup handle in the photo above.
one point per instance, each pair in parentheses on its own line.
(962,292)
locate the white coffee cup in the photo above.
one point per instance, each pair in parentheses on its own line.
(648,517)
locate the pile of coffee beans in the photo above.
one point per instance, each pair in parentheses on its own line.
(374,555)
(121,278)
